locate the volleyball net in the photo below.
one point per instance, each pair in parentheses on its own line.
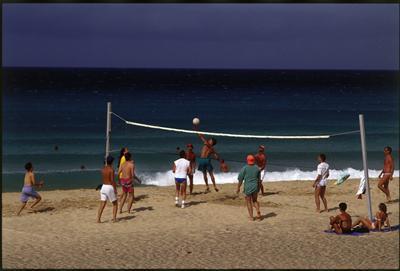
(325,136)
(250,136)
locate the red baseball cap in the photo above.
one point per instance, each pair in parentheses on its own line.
(250,159)
(262,147)
(190,145)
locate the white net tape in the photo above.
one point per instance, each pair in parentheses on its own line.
(231,135)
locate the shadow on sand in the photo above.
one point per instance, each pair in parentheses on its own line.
(141,197)
(268,215)
(198,193)
(193,203)
(271,193)
(140,209)
(129,217)
(333,209)
(43,210)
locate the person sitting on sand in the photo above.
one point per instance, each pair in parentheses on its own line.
(223,167)
(28,190)
(108,190)
(387,173)
(321,182)
(191,156)
(181,168)
(127,173)
(250,174)
(205,159)
(342,222)
(377,223)
(261,160)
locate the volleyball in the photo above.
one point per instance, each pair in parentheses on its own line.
(196,121)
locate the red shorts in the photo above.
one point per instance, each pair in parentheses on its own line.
(126,185)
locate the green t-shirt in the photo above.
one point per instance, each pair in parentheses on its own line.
(251,176)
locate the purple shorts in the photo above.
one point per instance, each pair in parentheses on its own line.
(28,191)
(180,180)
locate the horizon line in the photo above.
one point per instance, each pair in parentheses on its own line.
(189,68)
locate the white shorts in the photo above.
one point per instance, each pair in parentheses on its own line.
(107,192)
(262,174)
(322,183)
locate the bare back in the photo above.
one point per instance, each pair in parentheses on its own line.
(388,165)
(127,170)
(108,175)
(345,221)
(29,179)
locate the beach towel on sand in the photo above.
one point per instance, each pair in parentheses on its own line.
(355,233)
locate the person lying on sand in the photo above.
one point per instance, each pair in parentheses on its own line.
(127,173)
(321,182)
(205,159)
(378,222)
(342,222)
(387,173)
(250,174)
(108,190)
(181,168)
(28,190)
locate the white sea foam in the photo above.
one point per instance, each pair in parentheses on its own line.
(167,178)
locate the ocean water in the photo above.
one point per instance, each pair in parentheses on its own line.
(44,108)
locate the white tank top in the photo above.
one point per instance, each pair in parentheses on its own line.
(181,167)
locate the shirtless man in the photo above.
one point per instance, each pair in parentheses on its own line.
(28,189)
(127,174)
(342,222)
(205,159)
(108,190)
(261,160)
(191,156)
(387,173)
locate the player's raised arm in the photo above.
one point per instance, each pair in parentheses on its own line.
(196,128)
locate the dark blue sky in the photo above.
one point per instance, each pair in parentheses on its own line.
(267,36)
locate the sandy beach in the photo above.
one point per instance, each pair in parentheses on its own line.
(212,232)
